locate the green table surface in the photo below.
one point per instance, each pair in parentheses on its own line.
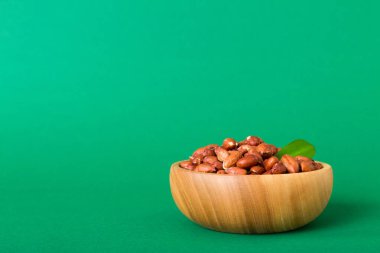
(98,98)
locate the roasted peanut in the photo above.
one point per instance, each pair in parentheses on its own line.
(236,171)
(231,160)
(209,152)
(266,150)
(211,146)
(308,166)
(199,152)
(255,154)
(319,165)
(257,170)
(244,142)
(246,148)
(229,144)
(196,159)
(247,161)
(278,168)
(221,153)
(268,163)
(252,149)
(218,165)
(187,165)
(253,140)
(251,156)
(290,163)
(301,158)
(210,159)
(213,160)
(205,167)
(204,151)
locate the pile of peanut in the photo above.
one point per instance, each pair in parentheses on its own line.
(251,156)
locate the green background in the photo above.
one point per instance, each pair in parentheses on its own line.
(98,98)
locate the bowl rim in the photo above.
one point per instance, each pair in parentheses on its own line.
(326,166)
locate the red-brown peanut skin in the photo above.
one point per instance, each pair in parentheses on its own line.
(255,154)
(218,165)
(268,163)
(205,167)
(199,151)
(212,146)
(229,144)
(278,168)
(307,166)
(246,148)
(247,161)
(244,142)
(253,140)
(231,159)
(196,159)
(204,151)
(213,160)
(187,165)
(318,165)
(257,170)
(301,158)
(210,159)
(221,153)
(266,150)
(236,171)
(290,163)
(209,152)
(251,156)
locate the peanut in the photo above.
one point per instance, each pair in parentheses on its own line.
(205,167)
(308,166)
(278,168)
(247,161)
(290,163)
(204,151)
(253,140)
(255,154)
(257,170)
(196,159)
(251,156)
(236,171)
(212,146)
(231,160)
(229,144)
(244,142)
(319,166)
(221,153)
(246,148)
(268,163)
(301,158)
(210,159)
(218,165)
(187,165)
(266,150)
(213,160)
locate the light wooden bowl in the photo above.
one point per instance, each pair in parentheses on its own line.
(251,203)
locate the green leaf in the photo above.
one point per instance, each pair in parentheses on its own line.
(297,147)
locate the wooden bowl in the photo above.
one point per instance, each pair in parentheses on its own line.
(251,203)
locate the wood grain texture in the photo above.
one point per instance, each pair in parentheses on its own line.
(251,203)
